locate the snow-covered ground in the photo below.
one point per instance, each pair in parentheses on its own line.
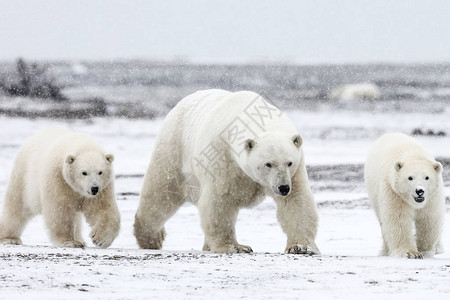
(349,235)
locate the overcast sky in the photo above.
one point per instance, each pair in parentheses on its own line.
(301,32)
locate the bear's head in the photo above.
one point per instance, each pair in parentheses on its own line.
(416,181)
(88,173)
(272,160)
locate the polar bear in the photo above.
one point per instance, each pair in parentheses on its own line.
(406,190)
(62,174)
(365,90)
(224,151)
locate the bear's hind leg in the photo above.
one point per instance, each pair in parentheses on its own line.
(15,215)
(11,227)
(162,192)
(159,201)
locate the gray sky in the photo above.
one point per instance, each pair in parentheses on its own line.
(228,31)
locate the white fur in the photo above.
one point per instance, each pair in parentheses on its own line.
(396,167)
(48,178)
(237,178)
(356,91)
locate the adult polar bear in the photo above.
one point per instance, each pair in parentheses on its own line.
(406,190)
(235,148)
(61,174)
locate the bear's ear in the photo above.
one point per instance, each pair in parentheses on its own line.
(249,145)
(438,167)
(70,159)
(297,140)
(109,158)
(398,166)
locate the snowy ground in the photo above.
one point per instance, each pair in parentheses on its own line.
(349,236)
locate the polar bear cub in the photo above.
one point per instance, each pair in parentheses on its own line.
(62,174)
(406,190)
(225,151)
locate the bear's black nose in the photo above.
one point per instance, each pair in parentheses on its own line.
(420,192)
(284,189)
(94,190)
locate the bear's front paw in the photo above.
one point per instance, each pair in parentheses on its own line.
(243,249)
(73,244)
(302,249)
(11,241)
(413,254)
(230,249)
(101,238)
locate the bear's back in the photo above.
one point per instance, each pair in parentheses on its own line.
(46,150)
(207,115)
(393,147)
(33,150)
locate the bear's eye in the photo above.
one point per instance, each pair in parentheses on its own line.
(269,165)
(426,178)
(289,163)
(84,174)
(100,173)
(410,178)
